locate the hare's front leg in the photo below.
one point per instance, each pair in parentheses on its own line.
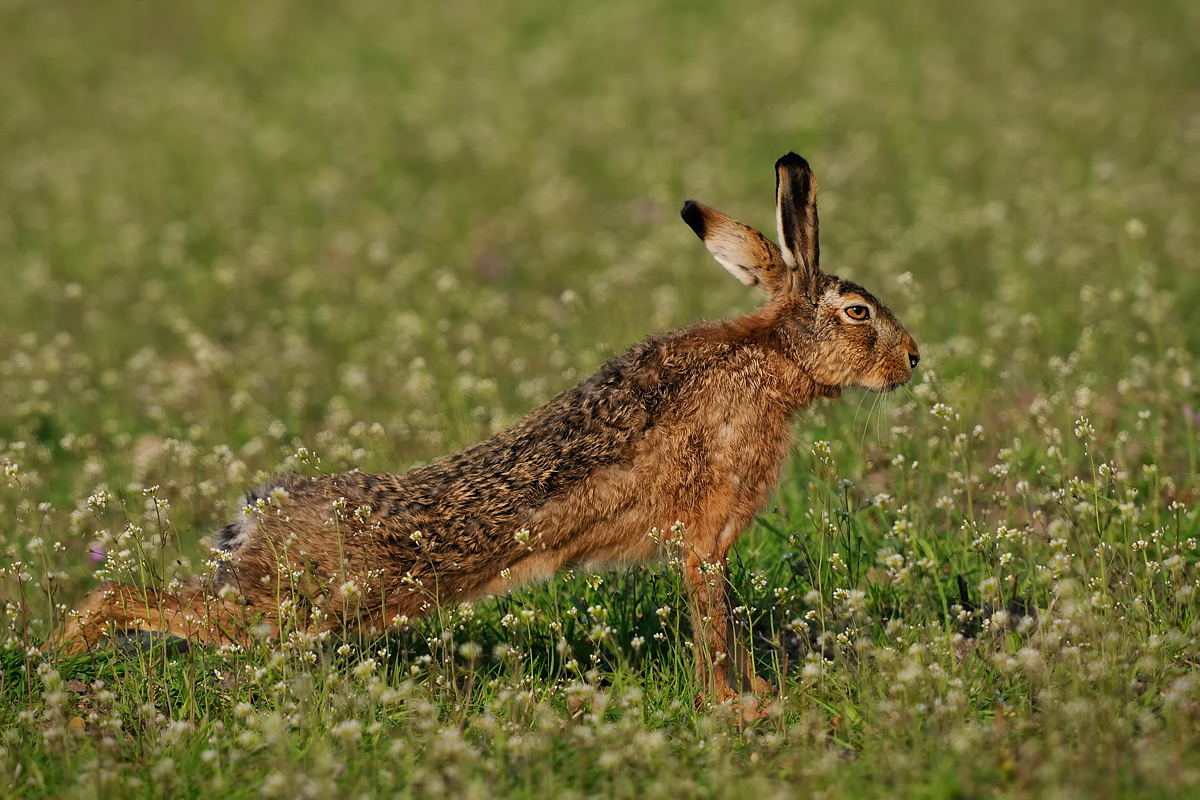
(706,569)
(721,658)
(708,592)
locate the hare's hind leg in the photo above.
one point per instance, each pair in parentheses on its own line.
(192,614)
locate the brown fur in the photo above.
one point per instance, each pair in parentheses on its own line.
(689,427)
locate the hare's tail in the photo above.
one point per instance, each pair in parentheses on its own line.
(192,613)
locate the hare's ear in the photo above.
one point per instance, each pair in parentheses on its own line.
(796,215)
(744,252)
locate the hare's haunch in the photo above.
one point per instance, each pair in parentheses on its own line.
(685,431)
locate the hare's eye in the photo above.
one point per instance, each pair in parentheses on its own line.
(857,312)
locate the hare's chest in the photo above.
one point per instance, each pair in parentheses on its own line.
(746,450)
(702,465)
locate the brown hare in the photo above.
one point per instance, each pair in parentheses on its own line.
(686,430)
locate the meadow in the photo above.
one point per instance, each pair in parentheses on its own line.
(240,239)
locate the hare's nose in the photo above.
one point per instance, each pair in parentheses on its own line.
(914,355)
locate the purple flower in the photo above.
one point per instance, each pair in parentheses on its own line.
(1191,415)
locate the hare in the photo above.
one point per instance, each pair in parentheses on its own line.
(685,431)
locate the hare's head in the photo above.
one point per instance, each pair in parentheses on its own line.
(836,330)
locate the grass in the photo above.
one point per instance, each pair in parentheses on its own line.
(231,235)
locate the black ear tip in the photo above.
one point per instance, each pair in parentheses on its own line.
(693,215)
(791,161)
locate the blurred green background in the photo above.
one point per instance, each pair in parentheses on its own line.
(387,230)
(384,231)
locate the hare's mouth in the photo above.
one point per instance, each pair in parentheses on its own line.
(883,387)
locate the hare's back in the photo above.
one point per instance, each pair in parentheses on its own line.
(469,505)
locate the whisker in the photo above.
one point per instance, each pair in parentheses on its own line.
(854,423)
(871,412)
(886,409)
